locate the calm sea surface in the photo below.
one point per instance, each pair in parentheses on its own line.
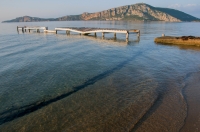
(55,82)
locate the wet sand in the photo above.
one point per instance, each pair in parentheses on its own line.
(192,94)
(167,114)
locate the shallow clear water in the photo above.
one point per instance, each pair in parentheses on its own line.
(55,82)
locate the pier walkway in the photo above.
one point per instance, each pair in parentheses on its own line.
(88,30)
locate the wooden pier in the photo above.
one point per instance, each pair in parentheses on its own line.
(82,30)
(88,30)
(37,28)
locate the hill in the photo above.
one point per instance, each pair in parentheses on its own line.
(136,12)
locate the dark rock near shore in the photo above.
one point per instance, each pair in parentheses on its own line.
(187,37)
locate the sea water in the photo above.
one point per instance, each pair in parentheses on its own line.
(59,82)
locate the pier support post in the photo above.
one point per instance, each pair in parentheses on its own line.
(103,34)
(29,30)
(127,35)
(17,29)
(56,31)
(138,34)
(95,34)
(115,35)
(22,29)
(67,32)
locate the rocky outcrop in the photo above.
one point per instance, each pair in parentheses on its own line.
(136,12)
(142,12)
(184,40)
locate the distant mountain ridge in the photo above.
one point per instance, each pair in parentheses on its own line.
(136,12)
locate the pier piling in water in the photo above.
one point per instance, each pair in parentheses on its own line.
(138,34)
(127,35)
(103,34)
(37,29)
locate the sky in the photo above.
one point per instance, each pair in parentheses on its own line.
(10,9)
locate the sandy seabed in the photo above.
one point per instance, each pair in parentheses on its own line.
(192,94)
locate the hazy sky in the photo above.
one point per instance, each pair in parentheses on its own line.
(10,9)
